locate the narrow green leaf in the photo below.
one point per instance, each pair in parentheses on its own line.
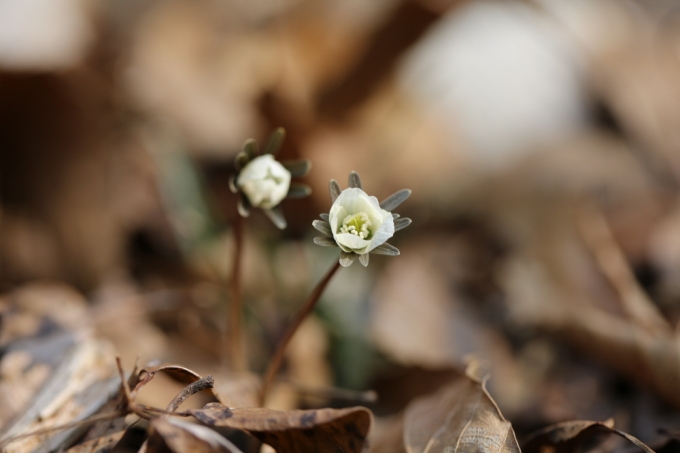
(243,206)
(346,259)
(241,160)
(402,223)
(354,180)
(297,168)
(334,188)
(275,141)
(363,259)
(251,149)
(323,227)
(299,190)
(393,201)
(276,216)
(325,242)
(386,249)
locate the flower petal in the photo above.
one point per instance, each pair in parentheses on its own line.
(275,140)
(323,227)
(352,243)
(386,249)
(354,180)
(334,189)
(298,190)
(384,232)
(336,216)
(402,223)
(393,201)
(324,216)
(363,259)
(276,216)
(395,216)
(346,259)
(355,200)
(297,168)
(325,242)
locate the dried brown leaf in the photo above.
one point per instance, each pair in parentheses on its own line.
(179,373)
(650,358)
(103,444)
(172,435)
(567,437)
(461,417)
(320,430)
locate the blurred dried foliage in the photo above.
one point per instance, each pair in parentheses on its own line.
(541,139)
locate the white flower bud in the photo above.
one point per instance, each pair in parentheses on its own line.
(358,223)
(264,181)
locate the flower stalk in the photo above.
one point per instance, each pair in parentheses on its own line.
(260,182)
(308,307)
(234,335)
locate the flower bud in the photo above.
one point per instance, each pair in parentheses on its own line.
(264,181)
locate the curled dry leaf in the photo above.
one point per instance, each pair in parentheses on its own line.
(460,417)
(179,373)
(176,436)
(320,430)
(567,437)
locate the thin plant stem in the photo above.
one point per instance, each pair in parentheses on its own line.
(277,358)
(234,335)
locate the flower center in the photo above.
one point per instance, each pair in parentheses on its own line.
(357,225)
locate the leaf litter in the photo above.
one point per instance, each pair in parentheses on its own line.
(557,265)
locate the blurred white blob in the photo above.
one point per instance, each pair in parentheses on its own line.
(501,75)
(43,34)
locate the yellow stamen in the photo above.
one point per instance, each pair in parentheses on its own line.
(357,224)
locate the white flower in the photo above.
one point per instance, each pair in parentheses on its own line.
(264,181)
(358,223)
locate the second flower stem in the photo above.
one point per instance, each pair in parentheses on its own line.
(236,301)
(277,358)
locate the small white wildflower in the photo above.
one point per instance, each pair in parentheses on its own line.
(264,181)
(358,224)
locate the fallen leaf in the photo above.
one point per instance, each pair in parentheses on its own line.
(320,430)
(460,417)
(76,389)
(179,373)
(103,444)
(171,435)
(567,437)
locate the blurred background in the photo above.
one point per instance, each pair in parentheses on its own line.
(541,139)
